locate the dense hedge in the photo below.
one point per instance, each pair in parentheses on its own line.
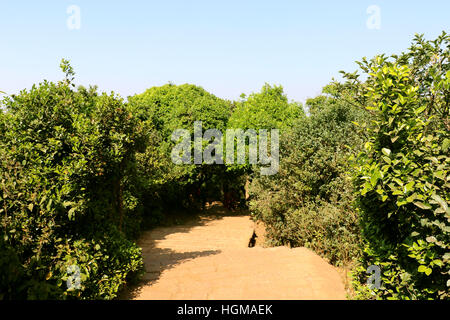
(65,158)
(397,207)
(402,176)
(309,202)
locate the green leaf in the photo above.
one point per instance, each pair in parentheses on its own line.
(408,187)
(445,144)
(439,175)
(376,175)
(71,213)
(422,268)
(431,239)
(68,203)
(401,202)
(420,109)
(386,159)
(49,204)
(438,262)
(422,205)
(386,151)
(441,201)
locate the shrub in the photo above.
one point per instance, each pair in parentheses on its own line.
(402,177)
(65,157)
(308,203)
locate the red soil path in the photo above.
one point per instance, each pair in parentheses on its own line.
(209,258)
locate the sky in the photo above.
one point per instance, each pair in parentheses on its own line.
(227,47)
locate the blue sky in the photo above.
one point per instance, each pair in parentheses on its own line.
(227,47)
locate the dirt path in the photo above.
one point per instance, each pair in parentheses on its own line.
(209,258)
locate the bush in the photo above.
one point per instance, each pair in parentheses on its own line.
(402,178)
(65,157)
(309,202)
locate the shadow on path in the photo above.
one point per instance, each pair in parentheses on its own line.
(157,244)
(166,259)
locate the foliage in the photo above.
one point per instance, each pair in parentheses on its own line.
(65,158)
(402,179)
(268,109)
(365,175)
(308,203)
(164,184)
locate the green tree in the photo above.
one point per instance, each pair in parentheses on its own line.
(165,109)
(268,109)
